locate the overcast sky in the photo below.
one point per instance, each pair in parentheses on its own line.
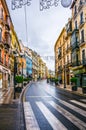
(43,27)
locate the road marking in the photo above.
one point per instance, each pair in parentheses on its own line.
(31,123)
(54,122)
(84,100)
(74,101)
(78,103)
(80,124)
(74,108)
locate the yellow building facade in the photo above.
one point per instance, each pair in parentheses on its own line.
(70,47)
(78,41)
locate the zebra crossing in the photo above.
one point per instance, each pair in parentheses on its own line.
(56,124)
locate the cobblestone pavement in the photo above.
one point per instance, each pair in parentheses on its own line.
(49,108)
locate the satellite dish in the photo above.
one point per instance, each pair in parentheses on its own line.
(66,3)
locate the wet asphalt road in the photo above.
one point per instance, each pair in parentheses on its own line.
(56,109)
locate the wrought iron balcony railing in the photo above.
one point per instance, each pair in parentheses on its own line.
(1,60)
(81,3)
(76,63)
(84,61)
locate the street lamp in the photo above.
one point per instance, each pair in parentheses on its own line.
(64,76)
(15,71)
(22,55)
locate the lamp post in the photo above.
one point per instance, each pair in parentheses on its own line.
(15,71)
(22,74)
(22,55)
(64,76)
(14,76)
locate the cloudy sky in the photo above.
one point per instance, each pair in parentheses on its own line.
(43,27)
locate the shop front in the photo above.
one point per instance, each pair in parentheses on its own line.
(81,77)
(4,78)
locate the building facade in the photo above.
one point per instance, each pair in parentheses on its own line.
(70,47)
(78,41)
(5,43)
(28,58)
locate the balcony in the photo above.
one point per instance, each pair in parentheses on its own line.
(1,60)
(6,63)
(81,3)
(75,14)
(7,25)
(59,56)
(76,63)
(81,23)
(60,69)
(82,42)
(69,63)
(84,62)
(1,20)
(68,48)
(69,28)
(7,40)
(75,45)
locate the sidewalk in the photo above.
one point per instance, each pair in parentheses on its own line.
(11,111)
(6,96)
(68,88)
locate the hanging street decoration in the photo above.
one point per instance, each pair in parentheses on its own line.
(15,4)
(66,3)
(46,4)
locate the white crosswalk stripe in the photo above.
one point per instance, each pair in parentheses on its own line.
(54,122)
(74,108)
(80,124)
(84,100)
(78,103)
(31,123)
(74,101)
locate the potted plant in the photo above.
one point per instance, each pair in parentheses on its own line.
(19,81)
(74,82)
(56,81)
(26,80)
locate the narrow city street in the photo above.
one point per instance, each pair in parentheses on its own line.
(47,107)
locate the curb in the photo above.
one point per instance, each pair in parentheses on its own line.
(21,105)
(82,95)
(21,98)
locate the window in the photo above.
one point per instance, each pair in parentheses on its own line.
(83,54)
(81,18)
(75,24)
(5,59)
(82,36)
(75,12)
(0,34)
(59,51)
(67,59)
(1,13)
